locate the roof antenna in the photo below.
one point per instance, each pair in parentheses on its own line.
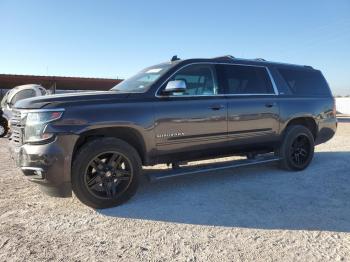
(174,58)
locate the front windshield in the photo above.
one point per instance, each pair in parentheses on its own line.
(142,80)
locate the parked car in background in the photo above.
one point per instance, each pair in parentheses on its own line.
(18,93)
(3,125)
(96,143)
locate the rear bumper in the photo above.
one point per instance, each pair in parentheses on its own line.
(48,165)
(326,130)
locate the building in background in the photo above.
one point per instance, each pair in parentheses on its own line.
(56,84)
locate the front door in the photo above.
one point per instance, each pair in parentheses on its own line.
(194,120)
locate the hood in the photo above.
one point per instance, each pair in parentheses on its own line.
(63,100)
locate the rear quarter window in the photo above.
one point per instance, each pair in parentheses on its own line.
(305,82)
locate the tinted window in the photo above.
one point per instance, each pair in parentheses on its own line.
(305,82)
(246,79)
(22,95)
(199,80)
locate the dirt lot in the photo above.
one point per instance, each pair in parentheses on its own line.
(256,214)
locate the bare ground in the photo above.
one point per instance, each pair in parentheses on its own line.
(255,214)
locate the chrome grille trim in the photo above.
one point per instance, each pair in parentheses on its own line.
(16,128)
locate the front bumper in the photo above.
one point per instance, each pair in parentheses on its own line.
(48,165)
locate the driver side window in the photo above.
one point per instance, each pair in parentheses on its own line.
(199,79)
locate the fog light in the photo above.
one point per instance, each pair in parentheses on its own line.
(39,174)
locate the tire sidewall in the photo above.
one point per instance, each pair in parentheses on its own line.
(4,126)
(83,158)
(291,134)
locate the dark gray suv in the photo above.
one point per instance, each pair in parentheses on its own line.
(96,143)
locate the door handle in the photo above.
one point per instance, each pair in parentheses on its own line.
(216,107)
(272,104)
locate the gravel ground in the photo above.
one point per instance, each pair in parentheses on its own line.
(253,213)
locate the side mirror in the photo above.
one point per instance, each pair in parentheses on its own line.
(175,86)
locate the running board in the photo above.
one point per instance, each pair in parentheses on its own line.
(190,170)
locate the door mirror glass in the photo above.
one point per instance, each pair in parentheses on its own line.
(175,86)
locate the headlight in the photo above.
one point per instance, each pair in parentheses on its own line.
(36,122)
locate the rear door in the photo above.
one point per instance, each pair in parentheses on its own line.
(253,110)
(195,119)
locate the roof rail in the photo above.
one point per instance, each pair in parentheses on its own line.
(260,59)
(307,66)
(225,57)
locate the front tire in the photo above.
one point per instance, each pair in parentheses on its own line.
(297,149)
(3,128)
(105,173)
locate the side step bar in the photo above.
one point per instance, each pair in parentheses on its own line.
(190,170)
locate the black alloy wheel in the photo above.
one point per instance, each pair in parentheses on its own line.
(297,148)
(108,175)
(105,172)
(300,150)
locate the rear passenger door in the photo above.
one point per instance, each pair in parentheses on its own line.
(253,110)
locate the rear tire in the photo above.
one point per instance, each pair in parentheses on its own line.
(105,173)
(297,149)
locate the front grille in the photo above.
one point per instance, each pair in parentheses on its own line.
(17,128)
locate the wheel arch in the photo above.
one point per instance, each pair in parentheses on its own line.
(127,134)
(307,121)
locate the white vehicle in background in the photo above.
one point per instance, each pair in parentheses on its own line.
(343,105)
(14,95)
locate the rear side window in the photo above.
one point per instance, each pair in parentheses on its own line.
(245,79)
(305,82)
